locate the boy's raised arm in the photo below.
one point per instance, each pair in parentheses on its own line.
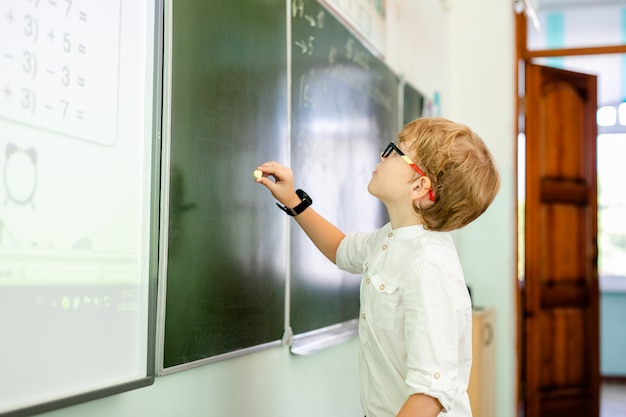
(322,233)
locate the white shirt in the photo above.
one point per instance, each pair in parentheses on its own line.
(415,323)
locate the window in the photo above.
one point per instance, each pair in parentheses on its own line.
(611,205)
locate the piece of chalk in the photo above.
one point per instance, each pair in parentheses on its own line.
(257,173)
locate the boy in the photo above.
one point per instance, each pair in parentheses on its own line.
(416,315)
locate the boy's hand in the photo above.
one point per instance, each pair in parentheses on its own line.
(282,187)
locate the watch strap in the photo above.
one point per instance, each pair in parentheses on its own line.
(306,202)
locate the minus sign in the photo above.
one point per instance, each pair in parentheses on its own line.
(49,107)
(49,71)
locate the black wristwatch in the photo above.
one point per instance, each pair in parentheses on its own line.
(306,202)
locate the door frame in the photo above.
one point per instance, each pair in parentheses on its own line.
(523,56)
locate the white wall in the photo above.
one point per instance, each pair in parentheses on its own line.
(270,383)
(464,50)
(418,44)
(483,96)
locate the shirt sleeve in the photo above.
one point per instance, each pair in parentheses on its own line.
(352,252)
(435,323)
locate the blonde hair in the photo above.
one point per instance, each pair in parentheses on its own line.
(463,173)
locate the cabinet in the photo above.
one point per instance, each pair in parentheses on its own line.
(481,389)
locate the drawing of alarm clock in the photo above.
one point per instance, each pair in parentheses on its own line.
(20,174)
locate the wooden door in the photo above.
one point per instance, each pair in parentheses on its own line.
(560,358)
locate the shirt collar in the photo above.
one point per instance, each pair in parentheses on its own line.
(406,232)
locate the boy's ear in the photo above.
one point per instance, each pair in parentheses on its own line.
(421,188)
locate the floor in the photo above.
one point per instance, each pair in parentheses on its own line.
(613,399)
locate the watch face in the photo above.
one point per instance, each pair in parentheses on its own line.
(306,202)
(304,196)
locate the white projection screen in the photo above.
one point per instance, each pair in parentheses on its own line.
(79,116)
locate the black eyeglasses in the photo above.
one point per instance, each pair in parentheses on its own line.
(392,147)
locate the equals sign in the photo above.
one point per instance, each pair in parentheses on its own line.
(79,114)
(81,81)
(82,48)
(82,16)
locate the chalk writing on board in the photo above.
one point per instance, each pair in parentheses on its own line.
(59,64)
(344,101)
(339,61)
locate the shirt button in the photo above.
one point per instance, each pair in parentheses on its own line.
(363,316)
(384,247)
(381,287)
(390,234)
(367,281)
(436,375)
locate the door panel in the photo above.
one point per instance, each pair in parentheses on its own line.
(560,343)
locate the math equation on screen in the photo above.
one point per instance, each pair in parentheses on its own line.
(59,66)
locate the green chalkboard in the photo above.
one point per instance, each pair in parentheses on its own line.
(226,244)
(344,110)
(412,103)
(226,252)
